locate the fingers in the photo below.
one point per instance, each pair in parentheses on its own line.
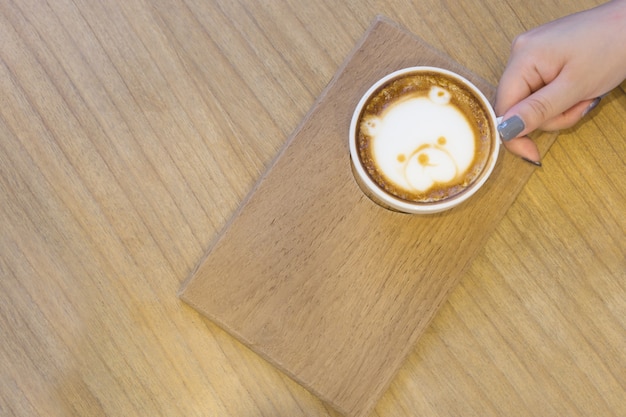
(515,85)
(515,126)
(529,69)
(525,148)
(571,116)
(548,103)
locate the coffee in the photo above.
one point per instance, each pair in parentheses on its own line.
(424,135)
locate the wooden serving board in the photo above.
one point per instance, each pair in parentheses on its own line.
(329,287)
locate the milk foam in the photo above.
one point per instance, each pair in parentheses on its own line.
(421,141)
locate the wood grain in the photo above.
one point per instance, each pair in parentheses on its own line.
(316,278)
(127,141)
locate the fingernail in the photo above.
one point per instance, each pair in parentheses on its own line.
(511,128)
(535,163)
(592,106)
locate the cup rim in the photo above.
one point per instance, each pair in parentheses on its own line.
(414,207)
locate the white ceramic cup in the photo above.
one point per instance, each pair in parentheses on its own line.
(393,202)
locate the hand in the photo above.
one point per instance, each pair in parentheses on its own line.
(557,72)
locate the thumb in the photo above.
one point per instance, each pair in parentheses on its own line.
(532,112)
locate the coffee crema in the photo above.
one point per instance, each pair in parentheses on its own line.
(424,137)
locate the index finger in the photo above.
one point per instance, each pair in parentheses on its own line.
(516,83)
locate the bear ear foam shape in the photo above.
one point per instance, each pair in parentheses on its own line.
(439,95)
(371,125)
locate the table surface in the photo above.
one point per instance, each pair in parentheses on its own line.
(130,132)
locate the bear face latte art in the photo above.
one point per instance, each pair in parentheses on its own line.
(423,140)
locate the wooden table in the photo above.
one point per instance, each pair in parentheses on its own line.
(130,131)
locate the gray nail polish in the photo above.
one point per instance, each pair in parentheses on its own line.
(511,128)
(592,106)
